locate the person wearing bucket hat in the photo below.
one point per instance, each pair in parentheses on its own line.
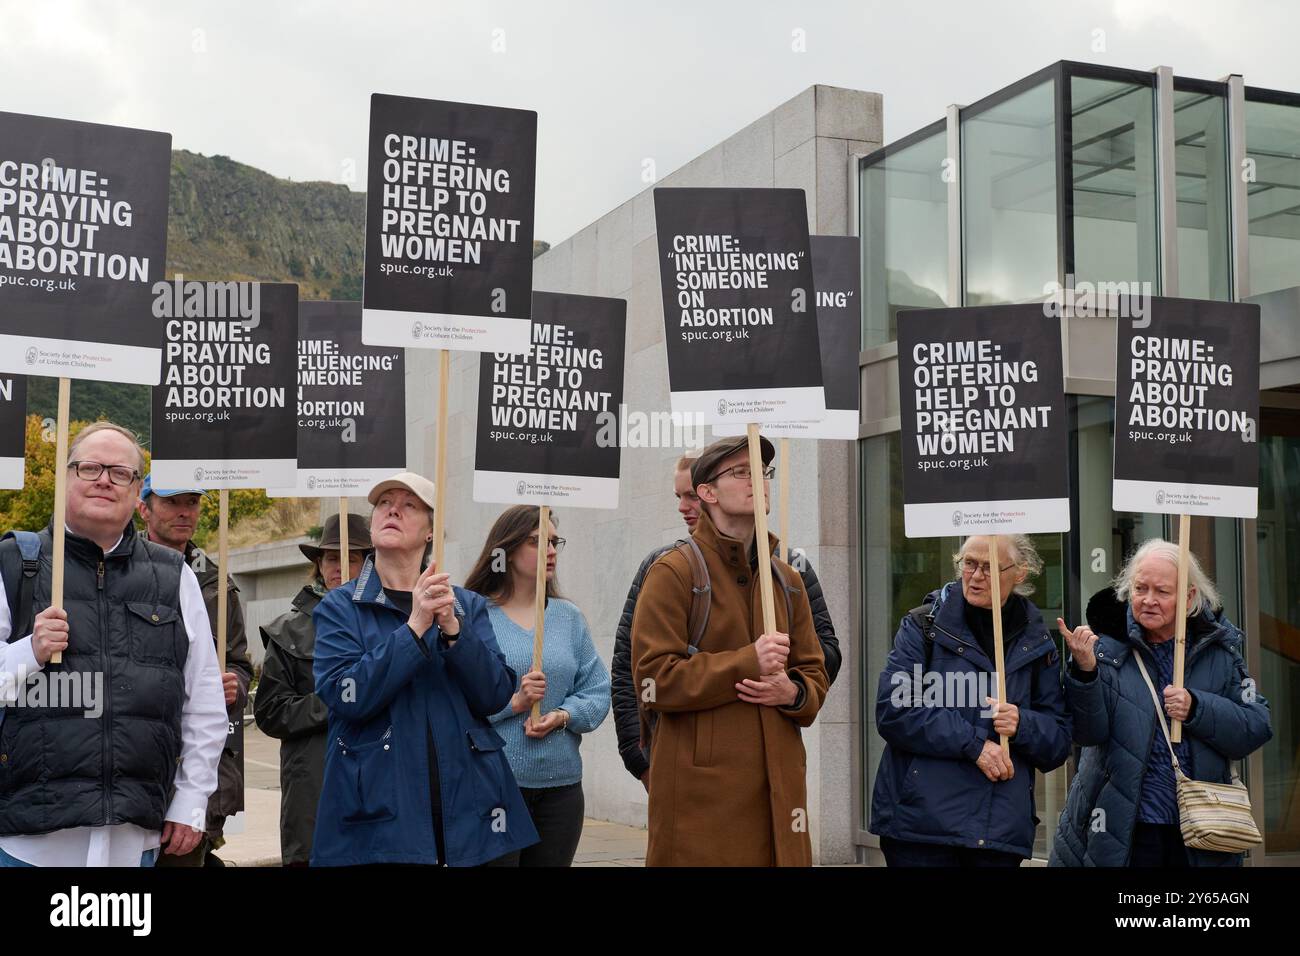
(727,773)
(409,669)
(170,517)
(286,706)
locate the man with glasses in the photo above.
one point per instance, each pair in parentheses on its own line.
(727,787)
(170,516)
(626,698)
(117,757)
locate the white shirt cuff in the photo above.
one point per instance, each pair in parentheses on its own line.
(191,809)
(20,661)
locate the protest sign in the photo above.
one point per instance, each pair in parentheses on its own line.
(1187,409)
(984,431)
(83,235)
(740,321)
(13,430)
(1187,423)
(351,406)
(548,426)
(224,415)
(836,275)
(449,225)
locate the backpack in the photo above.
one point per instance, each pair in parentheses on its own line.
(698,619)
(19,565)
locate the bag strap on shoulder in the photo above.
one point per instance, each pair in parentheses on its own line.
(1160,714)
(923,617)
(701,593)
(19,587)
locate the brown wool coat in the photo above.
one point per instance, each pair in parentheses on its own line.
(727,778)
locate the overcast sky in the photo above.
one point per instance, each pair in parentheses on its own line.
(284,86)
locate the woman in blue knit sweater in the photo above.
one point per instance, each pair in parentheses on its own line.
(572,685)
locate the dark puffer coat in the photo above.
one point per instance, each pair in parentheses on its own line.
(1115,721)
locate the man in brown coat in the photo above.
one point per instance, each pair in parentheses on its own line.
(170,517)
(727,769)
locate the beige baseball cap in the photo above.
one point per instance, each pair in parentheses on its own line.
(417,485)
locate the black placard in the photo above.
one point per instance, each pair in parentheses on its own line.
(83,238)
(1187,409)
(548,418)
(836,276)
(984,431)
(13,430)
(740,320)
(449,224)
(224,415)
(351,404)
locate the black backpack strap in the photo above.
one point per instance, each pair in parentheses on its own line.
(20,565)
(923,618)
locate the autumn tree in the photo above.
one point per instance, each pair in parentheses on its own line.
(30,508)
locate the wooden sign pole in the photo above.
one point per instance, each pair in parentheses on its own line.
(760,531)
(440,461)
(1180,622)
(999,655)
(223,553)
(783,479)
(543,550)
(60,501)
(345,564)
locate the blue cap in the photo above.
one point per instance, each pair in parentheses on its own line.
(148,489)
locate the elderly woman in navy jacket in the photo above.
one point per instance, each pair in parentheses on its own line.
(1122,808)
(410,671)
(945,793)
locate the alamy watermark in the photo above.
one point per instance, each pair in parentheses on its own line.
(629,428)
(181,299)
(56,690)
(1091,300)
(922,688)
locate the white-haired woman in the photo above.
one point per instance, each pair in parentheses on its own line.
(945,793)
(1122,808)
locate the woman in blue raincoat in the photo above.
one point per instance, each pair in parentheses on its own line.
(410,671)
(945,793)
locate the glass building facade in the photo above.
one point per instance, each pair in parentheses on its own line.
(1083,175)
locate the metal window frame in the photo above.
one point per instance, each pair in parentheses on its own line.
(892,149)
(1164,84)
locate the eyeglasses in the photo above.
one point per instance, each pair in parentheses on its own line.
(970,566)
(117,474)
(556,543)
(741,473)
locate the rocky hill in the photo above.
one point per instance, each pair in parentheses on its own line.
(231,221)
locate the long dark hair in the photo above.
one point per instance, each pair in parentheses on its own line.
(509,531)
